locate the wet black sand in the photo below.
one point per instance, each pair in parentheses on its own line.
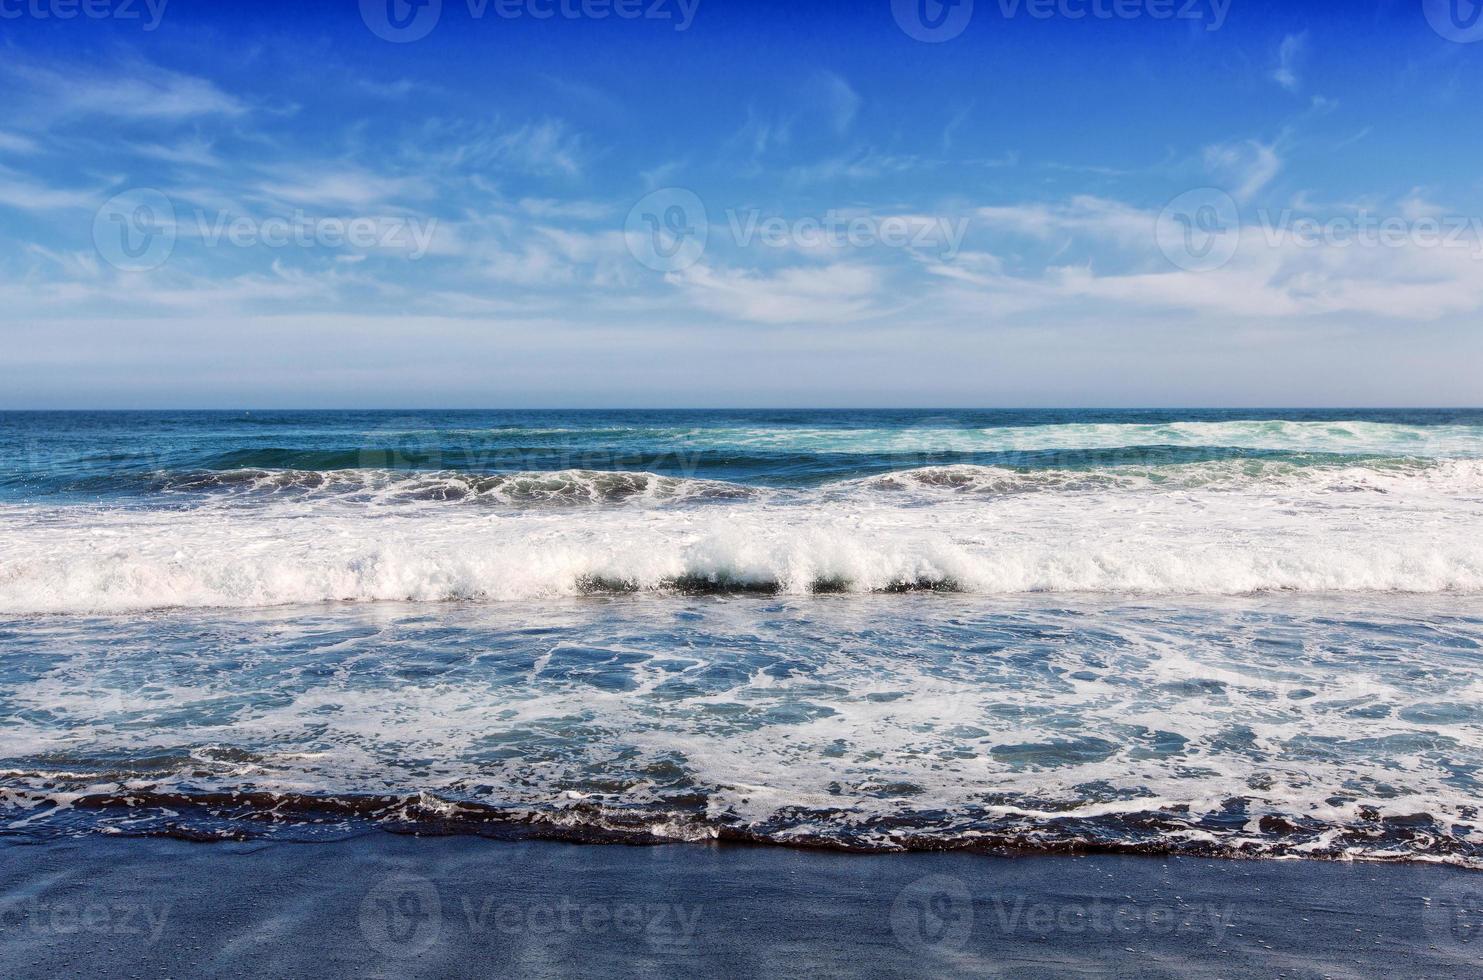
(386,905)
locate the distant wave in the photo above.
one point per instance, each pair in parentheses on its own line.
(536,466)
(390,486)
(591,487)
(944,435)
(1381,475)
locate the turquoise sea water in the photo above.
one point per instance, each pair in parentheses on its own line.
(1199,631)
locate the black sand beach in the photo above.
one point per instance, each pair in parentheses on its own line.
(385,905)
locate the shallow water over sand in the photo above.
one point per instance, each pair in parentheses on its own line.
(1322,725)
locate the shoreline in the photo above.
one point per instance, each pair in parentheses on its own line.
(384,904)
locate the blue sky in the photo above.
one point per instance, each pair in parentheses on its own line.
(727,203)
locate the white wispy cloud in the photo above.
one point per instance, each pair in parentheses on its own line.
(553,257)
(828,294)
(329,184)
(1244,166)
(1415,206)
(71,264)
(1085,216)
(545,207)
(192,150)
(543,148)
(863,163)
(1274,273)
(546,147)
(837,99)
(399,89)
(821,113)
(130,90)
(953,125)
(26,193)
(1290,54)
(1266,281)
(757,136)
(661,174)
(16,143)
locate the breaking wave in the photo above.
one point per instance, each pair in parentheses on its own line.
(565,487)
(1211,528)
(1324,473)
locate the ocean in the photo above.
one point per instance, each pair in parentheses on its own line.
(1229,633)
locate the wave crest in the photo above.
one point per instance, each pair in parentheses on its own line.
(1376,476)
(1169,543)
(561,487)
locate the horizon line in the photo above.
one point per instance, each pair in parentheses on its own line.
(780,408)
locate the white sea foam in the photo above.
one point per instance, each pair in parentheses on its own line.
(1414,530)
(1400,475)
(583,487)
(808,719)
